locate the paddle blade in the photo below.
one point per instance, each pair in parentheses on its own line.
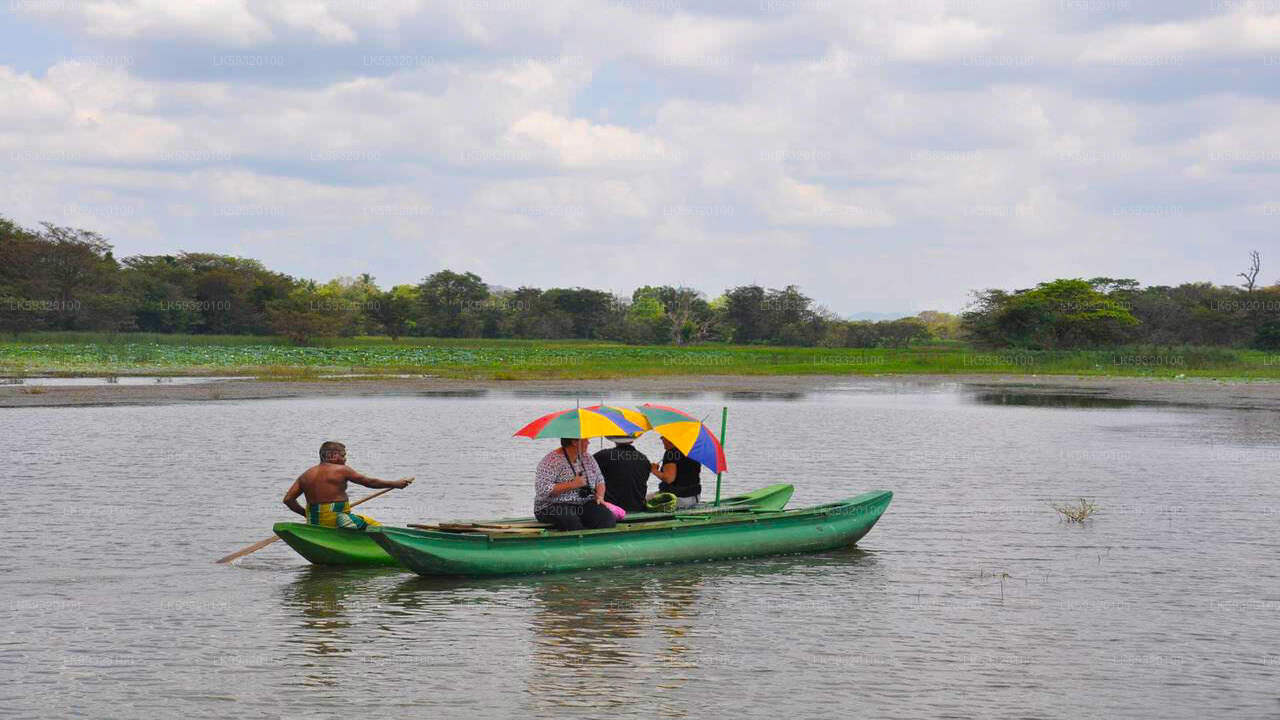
(251,549)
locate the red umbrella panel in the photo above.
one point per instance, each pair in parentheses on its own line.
(579,423)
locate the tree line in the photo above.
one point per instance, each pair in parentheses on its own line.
(1107,312)
(59,278)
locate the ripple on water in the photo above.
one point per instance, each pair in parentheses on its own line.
(970,598)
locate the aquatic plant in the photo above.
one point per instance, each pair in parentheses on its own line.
(1076,512)
(149,354)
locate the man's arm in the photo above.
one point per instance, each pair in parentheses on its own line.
(600,493)
(666,473)
(291,497)
(355,477)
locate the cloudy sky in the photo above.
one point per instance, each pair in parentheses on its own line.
(885,156)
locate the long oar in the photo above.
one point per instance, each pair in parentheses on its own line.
(263,543)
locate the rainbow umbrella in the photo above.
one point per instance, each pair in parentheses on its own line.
(688,434)
(579,423)
(635,417)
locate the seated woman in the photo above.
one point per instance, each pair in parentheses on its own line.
(569,489)
(679,476)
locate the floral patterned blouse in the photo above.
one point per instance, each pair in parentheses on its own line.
(554,469)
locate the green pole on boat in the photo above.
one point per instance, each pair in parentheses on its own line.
(724,420)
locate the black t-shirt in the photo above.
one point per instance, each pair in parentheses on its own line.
(626,476)
(688,481)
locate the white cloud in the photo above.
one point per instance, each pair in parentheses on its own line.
(310,16)
(945,39)
(577,143)
(229,21)
(1243,31)
(27,103)
(237,23)
(854,151)
(794,203)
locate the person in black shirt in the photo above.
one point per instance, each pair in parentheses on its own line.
(626,474)
(679,475)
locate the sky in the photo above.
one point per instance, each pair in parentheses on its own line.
(887,157)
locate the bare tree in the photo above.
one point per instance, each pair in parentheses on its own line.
(1251,275)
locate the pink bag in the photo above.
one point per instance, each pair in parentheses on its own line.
(618,513)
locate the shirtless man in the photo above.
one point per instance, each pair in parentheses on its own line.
(325,486)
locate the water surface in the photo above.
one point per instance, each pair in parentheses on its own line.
(969,599)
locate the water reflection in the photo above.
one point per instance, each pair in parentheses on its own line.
(550,393)
(324,598)
(591,397)
(473,393)
(1057,400)
(607,640)
(765,395)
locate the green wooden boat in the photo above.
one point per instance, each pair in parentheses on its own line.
(334,546)
(684,538)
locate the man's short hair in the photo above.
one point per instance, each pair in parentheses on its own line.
(329,447)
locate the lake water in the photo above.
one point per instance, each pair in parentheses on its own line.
(970,598)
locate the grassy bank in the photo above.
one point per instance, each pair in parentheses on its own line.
(140,354)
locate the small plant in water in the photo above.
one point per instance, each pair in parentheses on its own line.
(1076,512)
(1000,577)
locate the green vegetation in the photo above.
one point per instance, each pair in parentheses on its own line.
(70,306)
(1103,312)
(142,354)
(58,278)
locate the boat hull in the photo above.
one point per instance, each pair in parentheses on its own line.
(816,529)
(333,546)
(356,548)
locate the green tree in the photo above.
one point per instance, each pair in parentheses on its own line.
(528,313)
(590,312)
(161,288)
(688,315)
(300,317)
(903,331)
(350,303)
(81,278)
(1268,337)
(942,325)
(1066,313)
(745,313)
(393,310)
(232,293)
(646,319)
(444,299)
(22,306)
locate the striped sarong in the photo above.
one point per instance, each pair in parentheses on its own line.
(337,515)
